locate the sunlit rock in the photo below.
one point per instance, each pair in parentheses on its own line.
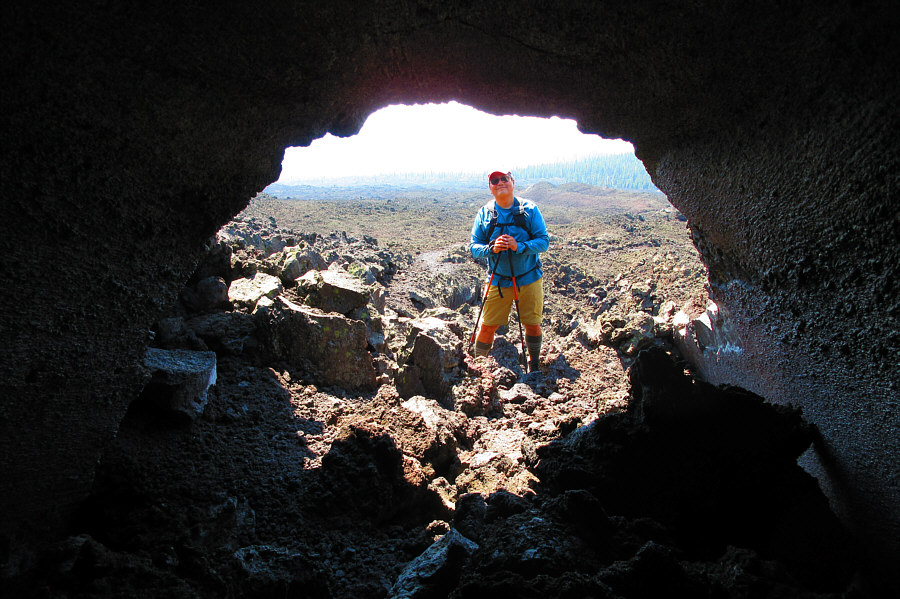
(332,290)
(331,348)
(638,333)
(430,363)
(446,427)
(705,338)
(299,261)
(247,292)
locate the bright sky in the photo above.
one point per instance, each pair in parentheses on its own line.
(443,138)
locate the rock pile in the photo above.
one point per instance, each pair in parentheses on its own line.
(319,305)
(692,492)
(315,304)
(626,315)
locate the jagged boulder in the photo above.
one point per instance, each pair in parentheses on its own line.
(216,260)
(206,294)
(630,333)
(378,297)
(664,320)
(368,273)
(332,290)
(589,332)
(700,334)
(431,364)
(224,332)
(179,380)
(252,233)
(374,327)
(439,565)
(450,290)
(245,293)
(517,393)
(446,426)
(638,333)
(298,261)
(331,348)
(170,333)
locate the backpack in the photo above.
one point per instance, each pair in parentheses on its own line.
(520,219)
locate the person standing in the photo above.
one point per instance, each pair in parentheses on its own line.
(515,225)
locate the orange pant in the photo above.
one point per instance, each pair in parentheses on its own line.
(486,332)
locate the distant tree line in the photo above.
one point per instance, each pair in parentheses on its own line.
(617,171)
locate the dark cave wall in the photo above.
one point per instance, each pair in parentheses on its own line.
(134,132)
(807,273)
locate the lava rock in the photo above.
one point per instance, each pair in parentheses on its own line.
(179,380)
(434,354)
(332,290)
(225,332)
(247,292)
(437,569)
(330,347)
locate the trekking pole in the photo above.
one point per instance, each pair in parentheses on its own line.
(487,290)
(512,274)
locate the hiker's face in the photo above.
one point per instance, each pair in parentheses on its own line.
(503,187)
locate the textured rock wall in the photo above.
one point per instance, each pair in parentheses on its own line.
(132,132)
(808,273)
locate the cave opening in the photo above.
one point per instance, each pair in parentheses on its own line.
(451,143)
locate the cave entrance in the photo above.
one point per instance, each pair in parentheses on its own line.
(408,159)
(413,179)
(455,145)
(415,176)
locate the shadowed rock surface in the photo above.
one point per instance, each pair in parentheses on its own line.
(132,133)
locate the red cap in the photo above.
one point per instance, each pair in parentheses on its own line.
(499,174)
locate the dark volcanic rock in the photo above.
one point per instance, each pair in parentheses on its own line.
(275,571)
(433,360)
(224,332)
(206,294)
(717,466)
(332,291)
(363,475)
(179,380)
(330,347)
(436,570)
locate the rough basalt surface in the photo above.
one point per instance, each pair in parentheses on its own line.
(131,133)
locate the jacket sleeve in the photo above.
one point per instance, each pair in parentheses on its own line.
(480,244)
(540,240)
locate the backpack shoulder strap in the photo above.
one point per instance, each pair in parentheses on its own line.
(520,217)
(492,224)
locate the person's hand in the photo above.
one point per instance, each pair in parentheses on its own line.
(505,242)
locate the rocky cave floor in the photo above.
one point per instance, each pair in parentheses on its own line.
(609,474)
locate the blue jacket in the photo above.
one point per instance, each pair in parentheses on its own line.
(526,262)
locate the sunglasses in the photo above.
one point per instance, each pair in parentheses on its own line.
(496,180)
